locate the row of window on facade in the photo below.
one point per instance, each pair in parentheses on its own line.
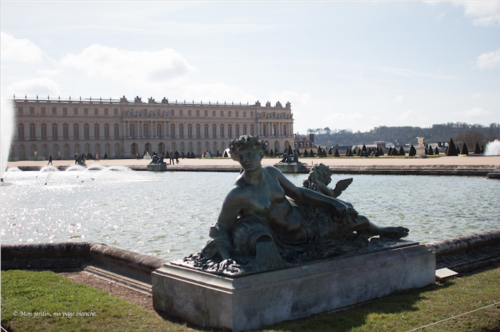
(43,111)
(146,131)
(67,153)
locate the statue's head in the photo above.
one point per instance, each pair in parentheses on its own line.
(322,173)
(246,141)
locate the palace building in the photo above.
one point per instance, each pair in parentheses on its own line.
(122,128)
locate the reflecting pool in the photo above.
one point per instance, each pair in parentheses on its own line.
(168,214)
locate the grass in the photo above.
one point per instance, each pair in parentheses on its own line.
(27,294)
(403,312)
(35,292)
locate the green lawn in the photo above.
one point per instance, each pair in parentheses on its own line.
(26,294)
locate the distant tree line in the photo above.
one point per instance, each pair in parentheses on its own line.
(459,131)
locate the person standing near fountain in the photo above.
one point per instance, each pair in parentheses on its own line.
(50,160)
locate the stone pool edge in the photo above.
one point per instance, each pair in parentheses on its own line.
(133,270)
(491,171)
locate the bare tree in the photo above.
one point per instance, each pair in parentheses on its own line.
(469,137)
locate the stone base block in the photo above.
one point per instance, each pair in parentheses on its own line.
(157,167)
(256,300)
(291,168)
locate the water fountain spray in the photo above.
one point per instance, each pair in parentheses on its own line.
(492,148)
(7,132)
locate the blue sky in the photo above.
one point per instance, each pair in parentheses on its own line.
(343,65)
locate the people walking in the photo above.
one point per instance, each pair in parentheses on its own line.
(76,158)
(177,156)
(171,156)
(50,160)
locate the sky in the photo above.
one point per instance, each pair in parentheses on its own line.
(342,65)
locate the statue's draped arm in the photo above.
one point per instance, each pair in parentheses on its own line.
(308,196)
(219,232)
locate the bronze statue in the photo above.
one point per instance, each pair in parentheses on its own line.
(267,222)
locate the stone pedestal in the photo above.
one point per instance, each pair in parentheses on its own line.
(157,167)
(291,167)
(256,300)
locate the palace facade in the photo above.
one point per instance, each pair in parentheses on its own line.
(122,128)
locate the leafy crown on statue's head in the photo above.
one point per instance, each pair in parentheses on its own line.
(246,141)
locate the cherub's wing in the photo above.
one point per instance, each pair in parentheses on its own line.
(341,186)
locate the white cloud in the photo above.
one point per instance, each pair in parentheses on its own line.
(487,12)
(476,112)
(296,99)
(489,60)
(398,99)
(37,86)
(438,18)
(128,66)
(476,95)
(215,92)
(21,50)
(342,120)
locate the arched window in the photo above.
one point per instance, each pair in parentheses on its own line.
(173,146)
(133,149)
(66,151)
(54,131)
(147,148)
(222,131)
(207,146)
(284,130)
(44,131)
(252,132)
(264,133)
(172,131)
(214,131)
(22,152)
(20,130)
(117,131)
(245,130)
(198,148)
(97,149)
(86,132)
(76,131)
(146,130)
(205,130)
(117,150)
(190,131)
(276,146)
(132,130)
(229,131)
(107,148)
(214,148)
(55,151)
(158,131)
(32,131)
(77,148)
(33,150)
(45,151)
(87,148)
(161,148)
(66,132)
(198,131)
(182,147)
(181,131)
(275,130)
(191,147)
(106,130)
(237,131)
(96,131)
